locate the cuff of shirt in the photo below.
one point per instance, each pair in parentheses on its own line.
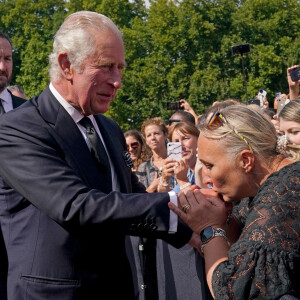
(173,222)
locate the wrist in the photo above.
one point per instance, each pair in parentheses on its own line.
(182,187)
(163,182)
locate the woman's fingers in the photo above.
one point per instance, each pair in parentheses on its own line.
(178,212)
(200,208)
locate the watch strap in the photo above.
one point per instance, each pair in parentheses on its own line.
(216,232)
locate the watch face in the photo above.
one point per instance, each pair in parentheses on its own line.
(206,234)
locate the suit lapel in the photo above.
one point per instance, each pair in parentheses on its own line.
(116,149)
(16,101)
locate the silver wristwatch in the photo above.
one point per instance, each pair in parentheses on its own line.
(209,233)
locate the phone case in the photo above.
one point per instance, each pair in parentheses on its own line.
(174,150)
(281,103)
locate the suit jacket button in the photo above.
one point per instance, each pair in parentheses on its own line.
(133,227)
(153,227)
(140,226)
(147,226)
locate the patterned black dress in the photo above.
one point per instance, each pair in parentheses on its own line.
(265,262)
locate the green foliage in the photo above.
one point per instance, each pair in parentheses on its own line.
(174,49)
(31,26)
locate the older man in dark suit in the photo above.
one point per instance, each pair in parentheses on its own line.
(76,197)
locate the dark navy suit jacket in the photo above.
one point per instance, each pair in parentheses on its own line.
(63,228)
(16,102)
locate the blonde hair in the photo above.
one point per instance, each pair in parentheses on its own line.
(259,132)
(291,111)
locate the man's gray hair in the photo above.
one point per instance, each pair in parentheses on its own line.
(76,37)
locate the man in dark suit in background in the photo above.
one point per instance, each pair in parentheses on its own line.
(7,102)
(76,197)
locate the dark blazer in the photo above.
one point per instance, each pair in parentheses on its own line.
(64,230)
(16,102)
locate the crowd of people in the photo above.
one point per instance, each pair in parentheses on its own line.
(262,239)
(90,212)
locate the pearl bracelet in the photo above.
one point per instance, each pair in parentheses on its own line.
(184,186)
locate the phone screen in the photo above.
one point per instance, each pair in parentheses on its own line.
(174,150)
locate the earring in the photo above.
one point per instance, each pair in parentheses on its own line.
(247,171)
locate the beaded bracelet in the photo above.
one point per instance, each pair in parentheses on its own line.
(184,186)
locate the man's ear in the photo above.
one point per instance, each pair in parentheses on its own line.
(246,160)
(65,66)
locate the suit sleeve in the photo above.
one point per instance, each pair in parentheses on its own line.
(33,164)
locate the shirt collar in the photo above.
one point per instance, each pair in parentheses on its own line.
(72,111)
(6,96)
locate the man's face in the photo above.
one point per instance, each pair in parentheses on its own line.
(5,63)
(96,86)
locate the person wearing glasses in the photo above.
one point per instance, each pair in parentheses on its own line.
(136,147)
(241,158)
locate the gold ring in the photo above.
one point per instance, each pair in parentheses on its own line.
(186,207)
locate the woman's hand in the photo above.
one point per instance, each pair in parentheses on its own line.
(180,170)
(167,170)
(200,209)
(152,188)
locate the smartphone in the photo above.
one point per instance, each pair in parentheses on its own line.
(281,104)
(174,105)
(253,101)
(174,150)
(295,74)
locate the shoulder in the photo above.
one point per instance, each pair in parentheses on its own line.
(287,178)
(17,101)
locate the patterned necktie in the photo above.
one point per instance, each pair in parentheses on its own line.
(2,111)
(98,151)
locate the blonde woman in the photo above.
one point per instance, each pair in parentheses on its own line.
(240,157)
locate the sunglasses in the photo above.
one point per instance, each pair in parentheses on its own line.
(218,120)
(133,145)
